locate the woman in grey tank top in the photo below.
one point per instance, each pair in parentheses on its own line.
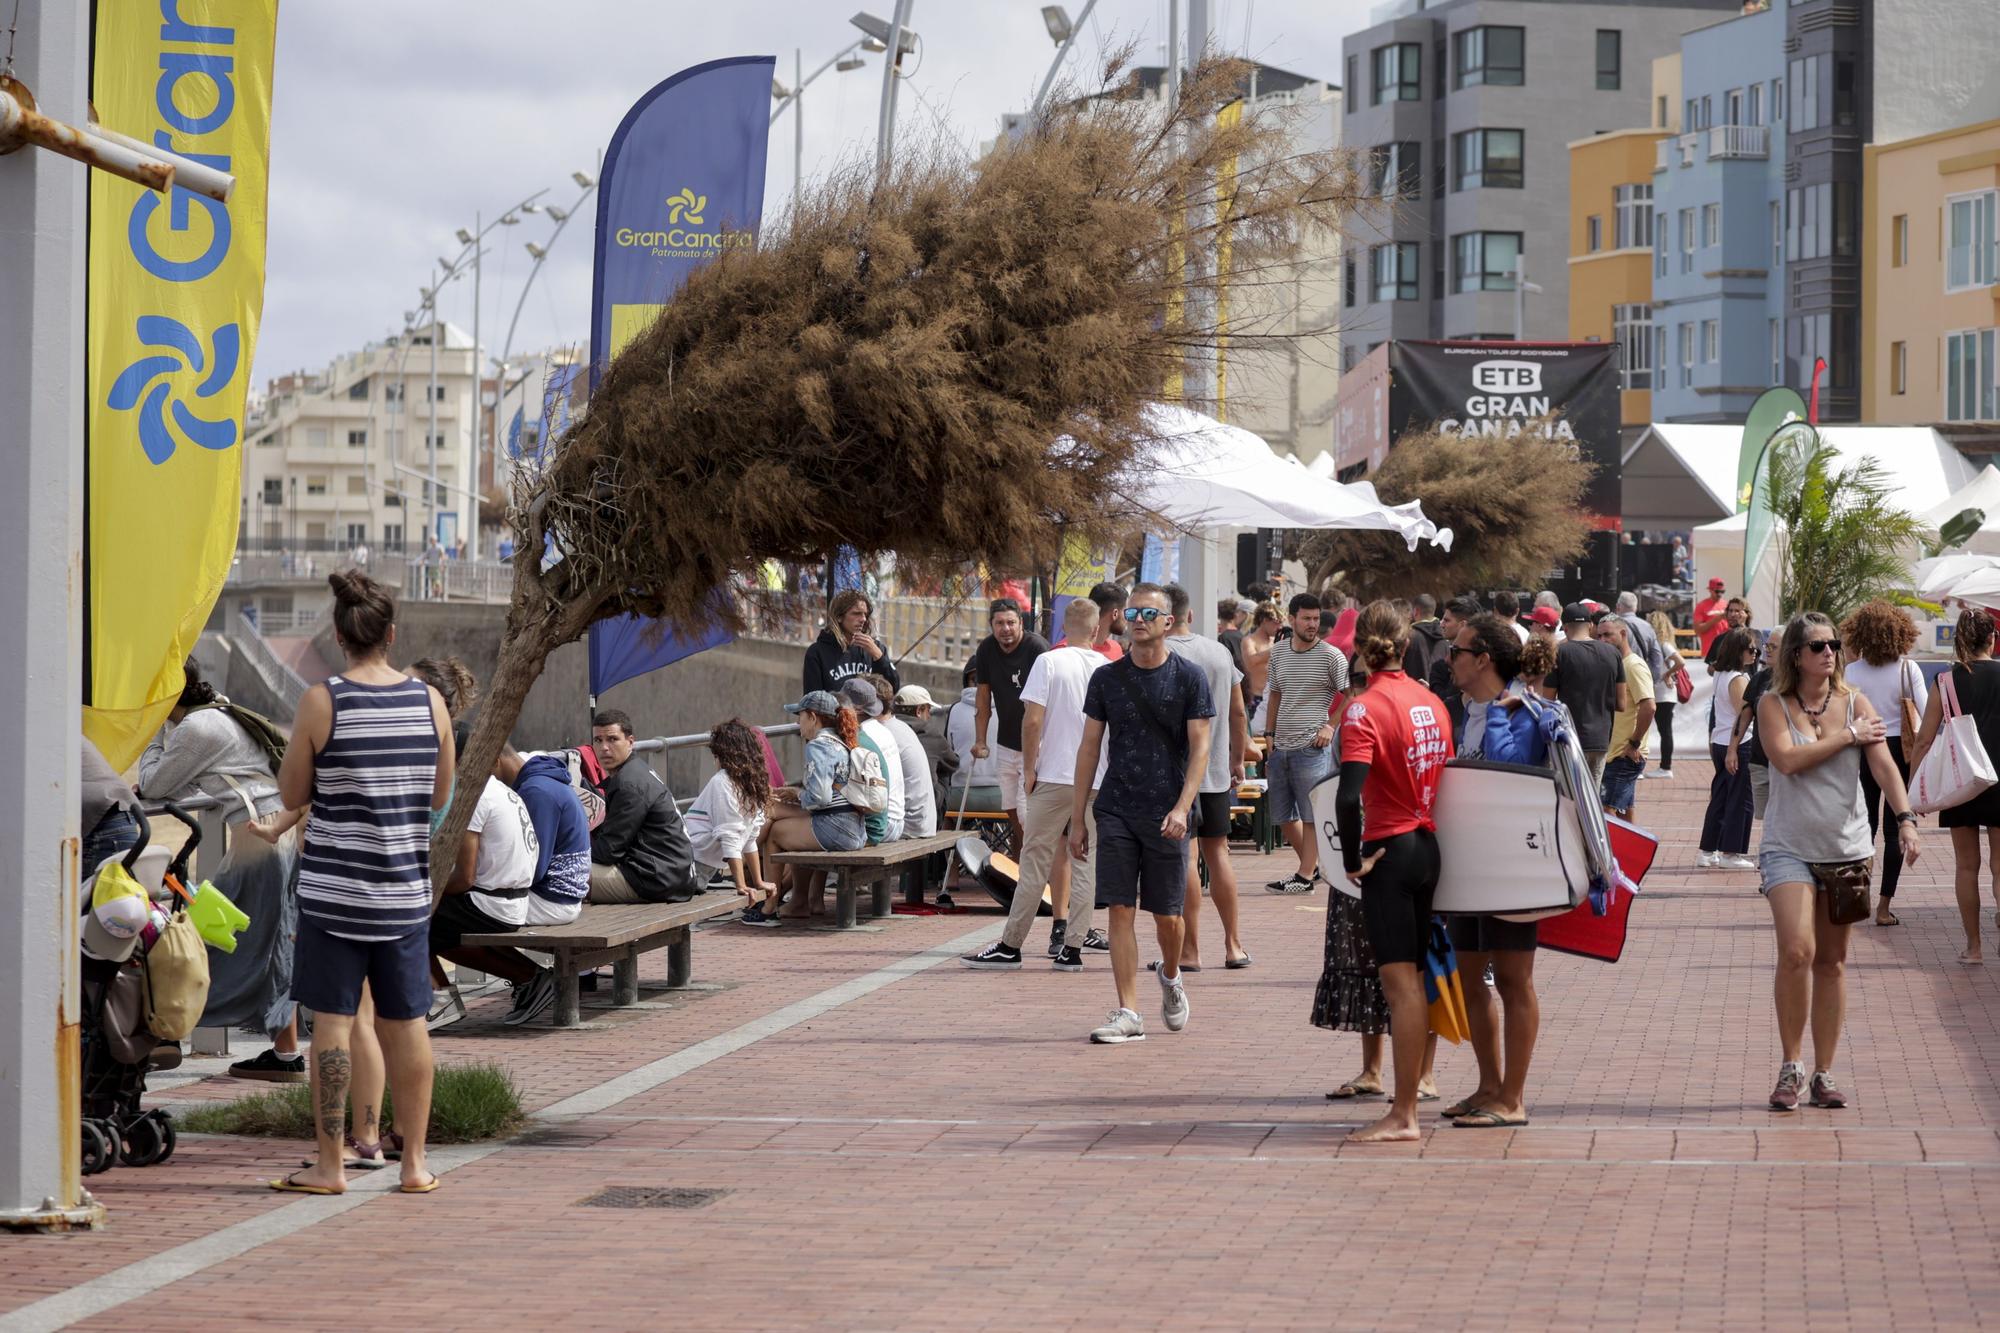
(1817,730)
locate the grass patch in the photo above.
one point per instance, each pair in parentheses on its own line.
(470,1103)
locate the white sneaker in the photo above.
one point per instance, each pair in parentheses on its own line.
(1173,1003)
(1738,863)
(1122,1025)
(1708,860)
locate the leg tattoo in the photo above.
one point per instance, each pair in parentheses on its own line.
(336,1072)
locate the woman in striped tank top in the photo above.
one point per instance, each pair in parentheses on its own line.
(369,754)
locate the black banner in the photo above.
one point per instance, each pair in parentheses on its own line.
(1498,389)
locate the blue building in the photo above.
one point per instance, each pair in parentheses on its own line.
(1719,223)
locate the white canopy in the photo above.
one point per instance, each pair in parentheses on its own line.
(1960,577)
(1981,493)
(1211,475)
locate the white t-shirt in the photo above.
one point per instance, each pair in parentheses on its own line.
(919,793)
(1520,631)
(958,724)
(719,829)
(1725,709)
(1223,678)
(892,762)
(1057,681)
(508,851)
(1884,686)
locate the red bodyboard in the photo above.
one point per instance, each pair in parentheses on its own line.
(1584,933)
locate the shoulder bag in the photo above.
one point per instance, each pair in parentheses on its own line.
(1913,721)
(1956,768)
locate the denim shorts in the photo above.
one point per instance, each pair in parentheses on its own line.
(1621,782)
(1775,867)
(839,831)
(1291,775)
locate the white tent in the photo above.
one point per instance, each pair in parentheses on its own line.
(1981,493)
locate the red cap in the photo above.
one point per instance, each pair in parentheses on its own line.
(1716,585)
(1545,616)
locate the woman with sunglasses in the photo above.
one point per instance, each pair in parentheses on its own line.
(1817,729)
(1975,679)
(1725,827)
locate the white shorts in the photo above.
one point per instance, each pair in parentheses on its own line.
(1010,778)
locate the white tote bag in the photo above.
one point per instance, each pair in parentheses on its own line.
(1956,768)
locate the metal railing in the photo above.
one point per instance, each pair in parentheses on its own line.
(1739,141)
(298,620)
(929,631)
(458,580)
(284,682)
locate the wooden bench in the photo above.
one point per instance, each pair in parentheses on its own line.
(616,933)
(872,867)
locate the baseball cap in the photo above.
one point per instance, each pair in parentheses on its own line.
(117,914)
(859,695)
(1716,585)
(1578,613)
(915,696)
(816,701)
(1545,616)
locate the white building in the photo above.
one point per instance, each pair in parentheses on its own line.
(344,456)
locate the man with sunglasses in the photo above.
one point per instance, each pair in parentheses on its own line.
(1305,673)
(1153,709)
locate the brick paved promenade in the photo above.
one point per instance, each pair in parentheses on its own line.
(906,1145)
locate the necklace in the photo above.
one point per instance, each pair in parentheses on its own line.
(1821,710)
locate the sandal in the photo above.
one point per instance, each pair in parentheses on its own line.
(291,1185)
(429,1186)
(1888,918)
(1463,1106)
(1485,1119)
(392,1145)
(1354,1087)
(356,1159)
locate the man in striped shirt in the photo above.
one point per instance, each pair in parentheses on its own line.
(1305,673)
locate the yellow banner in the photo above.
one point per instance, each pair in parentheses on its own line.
(176,289)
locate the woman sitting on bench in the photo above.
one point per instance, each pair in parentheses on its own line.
(815,817)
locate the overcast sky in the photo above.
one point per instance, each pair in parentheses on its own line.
(395,121)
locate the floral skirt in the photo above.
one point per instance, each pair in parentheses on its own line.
(1349,997)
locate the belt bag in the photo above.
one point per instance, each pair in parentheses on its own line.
(1845,884)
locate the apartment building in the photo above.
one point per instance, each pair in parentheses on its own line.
(1611,257)
(1931,278)
(1469,107)
(344,456)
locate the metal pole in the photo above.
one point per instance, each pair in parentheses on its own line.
(1048,80)
(1173,54)
(478,386)
(885,128)
(42,198)
(798,128)
(430,433)
(1520,296)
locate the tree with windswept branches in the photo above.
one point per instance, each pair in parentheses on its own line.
(889,369)
(1840,538)
(1515,509)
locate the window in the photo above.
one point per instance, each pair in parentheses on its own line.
(274,490)
(1777,100)
(1633,205)
(392,393)
(1777,233)
(1899,368)
(1397,170)
(1968,359)
(1843,90)
(1483,261)
(1489,55)
(392,497)
(1487,159)
(1347,284)
(1711,341)
(1392,271)
(1899,240)
(357,439)
(1805,93)
(357,485)
(1711,225)
(1844,218)
(358,391)
(438,392)
(1398,73)
(1350,357)
(1593,233)
(1777,352)
(1687,240)
(1732,107)
(1691,116)
(1660,112)
(357,533)
(1660,350)
(1353,89)
(1971,259)
(1608,62)
(315,437)
(392,536)
(1687,356)
(1809,224)
(1437,66)
(1632,326)
(315,485)
(1754,109)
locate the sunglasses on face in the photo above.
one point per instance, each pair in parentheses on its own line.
(1822,645)
(1146,613)
(1471,652)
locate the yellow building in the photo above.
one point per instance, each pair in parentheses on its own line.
(1611,255)
(1930,277)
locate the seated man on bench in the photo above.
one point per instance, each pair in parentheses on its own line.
(641,852)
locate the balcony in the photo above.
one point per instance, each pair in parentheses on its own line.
(1744,141)
(1677,151)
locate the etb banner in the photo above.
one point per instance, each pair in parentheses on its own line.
(176,288)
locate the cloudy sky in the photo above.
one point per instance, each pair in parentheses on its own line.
(396,121)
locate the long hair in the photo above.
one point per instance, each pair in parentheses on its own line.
(451,678)
(738,753)
(1785,667)
(845,724)
(1730,648)
(1663,629)
(1974,634)
(837,609)
(1381,636)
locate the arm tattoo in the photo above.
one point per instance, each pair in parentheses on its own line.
(336,1072)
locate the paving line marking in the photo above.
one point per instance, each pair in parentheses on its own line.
(1347,1160)
(135,1280)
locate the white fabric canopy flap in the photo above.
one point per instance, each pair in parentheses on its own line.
(1206,474)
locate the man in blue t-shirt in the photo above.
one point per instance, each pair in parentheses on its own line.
(1156,709)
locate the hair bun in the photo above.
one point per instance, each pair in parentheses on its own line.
(345,586)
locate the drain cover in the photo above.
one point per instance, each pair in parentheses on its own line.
(650,1196)
(560,1138)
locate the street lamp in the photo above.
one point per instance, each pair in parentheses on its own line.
(1062,32)
(841,61)
(1056,19)
(896,37)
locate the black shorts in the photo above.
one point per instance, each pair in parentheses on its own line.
(1396,896)
(1489,934)
(458,916)
(328,969)
(1137,867)
(1211,815)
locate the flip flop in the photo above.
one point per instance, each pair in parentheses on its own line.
(1427,1096)
(1354,1088)
(1463,1106)
(1485,1119)
(1889,919)
(1154,966)
(425,1188)
(1235,963)
(291,1185)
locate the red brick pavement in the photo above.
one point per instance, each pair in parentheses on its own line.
(947,1152)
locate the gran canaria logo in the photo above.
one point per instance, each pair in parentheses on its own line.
(686,206)
(686,236)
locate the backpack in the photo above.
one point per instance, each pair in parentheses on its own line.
(176,979)
(866,787)
(259,728)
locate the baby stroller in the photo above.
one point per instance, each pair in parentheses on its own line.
(118,1049)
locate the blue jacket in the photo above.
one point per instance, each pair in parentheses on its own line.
(1514,735)
(562,867)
